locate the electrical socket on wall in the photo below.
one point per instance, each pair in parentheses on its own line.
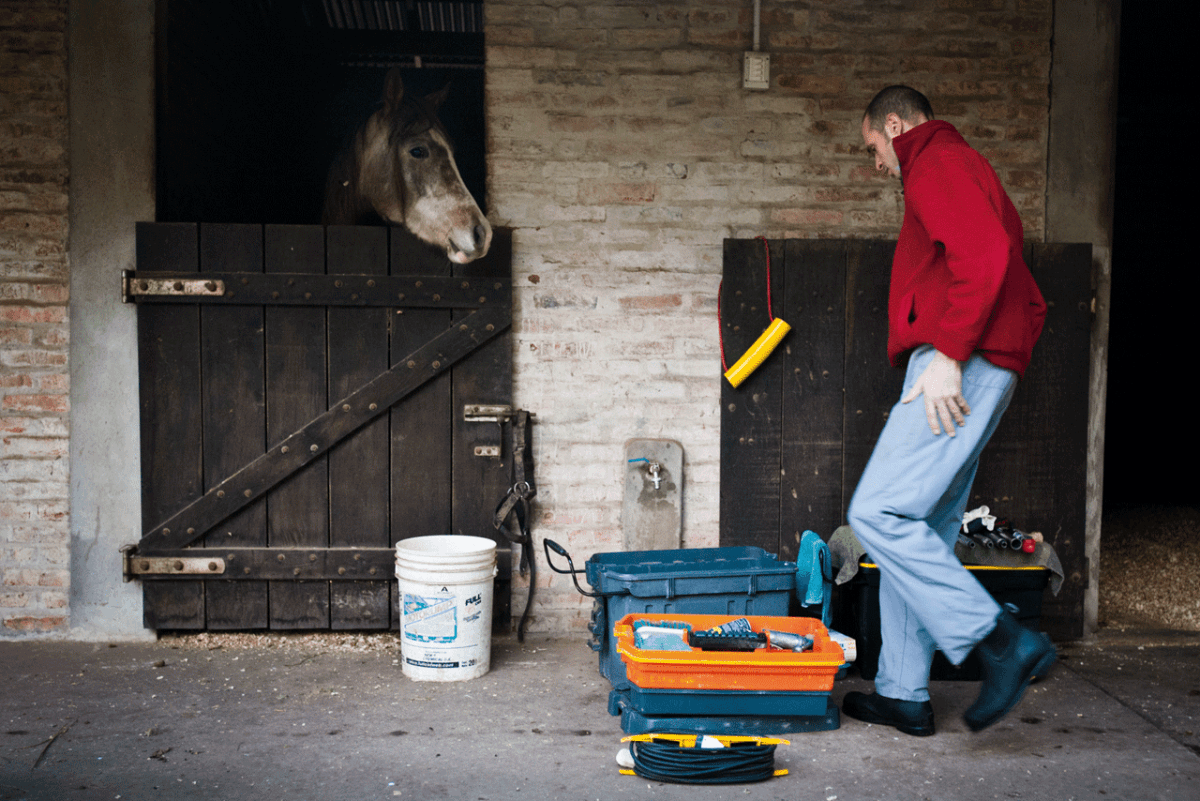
(756,70)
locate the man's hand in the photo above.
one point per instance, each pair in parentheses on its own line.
(941,384)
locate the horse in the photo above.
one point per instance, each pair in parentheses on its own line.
(400,170)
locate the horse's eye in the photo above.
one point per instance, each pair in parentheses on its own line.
(419,152)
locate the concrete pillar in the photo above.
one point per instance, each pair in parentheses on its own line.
(111,73)
(1079,206)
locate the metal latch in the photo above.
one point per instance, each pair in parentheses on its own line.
(139,286)
(136,565)
(484,413)
(488,413)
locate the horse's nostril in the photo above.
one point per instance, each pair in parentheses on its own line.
(480,236)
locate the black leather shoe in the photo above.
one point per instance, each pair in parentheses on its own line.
(910,717)
(1010,657)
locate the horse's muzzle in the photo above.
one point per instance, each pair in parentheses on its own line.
(480,240)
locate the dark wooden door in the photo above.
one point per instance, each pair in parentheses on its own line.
(797,434)
(302,409)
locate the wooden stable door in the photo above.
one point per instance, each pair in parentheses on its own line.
(302,409)
(797,434)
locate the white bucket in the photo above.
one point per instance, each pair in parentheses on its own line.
(445,606)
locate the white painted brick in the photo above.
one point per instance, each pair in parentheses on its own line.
(576,170)
(727,172)
(681,193)
(49,471)
(784,194)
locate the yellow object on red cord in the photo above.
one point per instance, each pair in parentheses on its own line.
(766,342)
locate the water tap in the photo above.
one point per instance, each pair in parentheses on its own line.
(653,468)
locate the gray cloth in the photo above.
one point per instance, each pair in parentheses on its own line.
(846,552)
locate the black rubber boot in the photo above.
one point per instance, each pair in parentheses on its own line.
(910,717)
(1010,657)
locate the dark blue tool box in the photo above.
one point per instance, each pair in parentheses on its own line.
(636,721)
(656,702)
(758,692)
(732,581)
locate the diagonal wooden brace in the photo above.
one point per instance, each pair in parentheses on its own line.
(318,436)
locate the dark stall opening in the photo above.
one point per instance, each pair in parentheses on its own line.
(254,99)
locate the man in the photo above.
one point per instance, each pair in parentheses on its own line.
(965,311)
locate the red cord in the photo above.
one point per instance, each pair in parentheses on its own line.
(767,250)
(720,327)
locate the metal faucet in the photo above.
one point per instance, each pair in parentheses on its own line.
(655,468)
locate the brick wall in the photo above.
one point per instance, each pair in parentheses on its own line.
(622,150)
(34,531)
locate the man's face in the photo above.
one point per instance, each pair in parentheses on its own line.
(879,145)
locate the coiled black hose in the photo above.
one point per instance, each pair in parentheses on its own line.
(666,761)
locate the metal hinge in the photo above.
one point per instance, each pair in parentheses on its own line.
(142,286)
(136,566)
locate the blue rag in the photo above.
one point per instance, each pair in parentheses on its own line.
(660,641)
(814,574)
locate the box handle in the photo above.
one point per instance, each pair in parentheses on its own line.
(549,545)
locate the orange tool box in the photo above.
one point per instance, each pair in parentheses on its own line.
(761,669)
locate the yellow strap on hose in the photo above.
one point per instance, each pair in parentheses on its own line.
(759,351)
(690,740)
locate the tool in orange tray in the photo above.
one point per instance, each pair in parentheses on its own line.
(737,635)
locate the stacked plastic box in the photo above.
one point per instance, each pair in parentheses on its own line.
(697,691)
(730,581)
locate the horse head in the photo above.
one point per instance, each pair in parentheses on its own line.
(403,170)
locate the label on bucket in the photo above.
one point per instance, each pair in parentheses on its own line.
(430,618)
(441,665)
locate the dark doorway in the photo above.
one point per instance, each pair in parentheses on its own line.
(1148,435)
(256,96)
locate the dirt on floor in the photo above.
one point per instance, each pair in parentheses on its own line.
(1150,568)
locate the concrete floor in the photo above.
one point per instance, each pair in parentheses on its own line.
(1117,719)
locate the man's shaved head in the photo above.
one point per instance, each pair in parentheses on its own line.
(905,102)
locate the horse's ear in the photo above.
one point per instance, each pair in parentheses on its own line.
(436,99)
(393,88)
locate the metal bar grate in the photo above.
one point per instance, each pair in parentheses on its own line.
(434,16)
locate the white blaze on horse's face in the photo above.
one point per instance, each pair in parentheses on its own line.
(439,209)
(408,174)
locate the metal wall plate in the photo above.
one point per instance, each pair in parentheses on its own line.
(652,510)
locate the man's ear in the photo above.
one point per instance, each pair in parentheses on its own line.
(893,124)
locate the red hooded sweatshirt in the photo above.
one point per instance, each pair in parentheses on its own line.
(959,282)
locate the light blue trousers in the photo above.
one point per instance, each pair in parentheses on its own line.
(907,511)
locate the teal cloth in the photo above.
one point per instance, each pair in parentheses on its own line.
(814,574)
